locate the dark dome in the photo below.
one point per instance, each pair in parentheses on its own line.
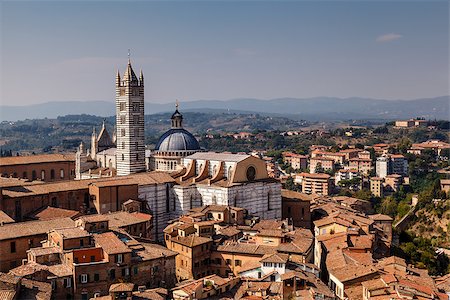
(177,139)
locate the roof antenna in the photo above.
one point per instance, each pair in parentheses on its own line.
(177,104)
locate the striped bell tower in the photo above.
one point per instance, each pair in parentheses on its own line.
(130,138)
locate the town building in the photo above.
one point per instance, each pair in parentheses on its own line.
(296,161)
(346,175)
(314,183)
(382,166)
(363,165)
(321,164)
(399,165)
(296,207)
(376,186)
(434,145)
(83,262)
(411,123)
(43,167)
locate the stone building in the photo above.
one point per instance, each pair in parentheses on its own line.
(238,180)
(44,167)
(81,263)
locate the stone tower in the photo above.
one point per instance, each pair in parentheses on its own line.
(130,153)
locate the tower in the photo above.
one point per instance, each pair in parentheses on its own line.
(130,153)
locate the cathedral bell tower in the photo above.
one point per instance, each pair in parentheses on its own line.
(130,138)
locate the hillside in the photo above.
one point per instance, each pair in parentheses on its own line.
(68,131)
(320,108)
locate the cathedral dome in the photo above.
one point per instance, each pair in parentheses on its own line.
(177,139)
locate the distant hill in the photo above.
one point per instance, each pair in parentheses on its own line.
(320,108)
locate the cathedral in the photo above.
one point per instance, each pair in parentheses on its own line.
(199,177)
(124,153)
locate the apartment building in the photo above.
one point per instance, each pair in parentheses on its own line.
(296,161)
(314,183)
(320,165)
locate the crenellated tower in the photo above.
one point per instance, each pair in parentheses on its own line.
(130,138)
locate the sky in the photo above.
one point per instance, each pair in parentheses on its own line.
(192,50)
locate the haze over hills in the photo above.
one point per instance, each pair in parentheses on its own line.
(320,108)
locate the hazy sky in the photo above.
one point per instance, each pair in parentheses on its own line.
(188,50)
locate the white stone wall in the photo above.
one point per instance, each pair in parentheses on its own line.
(251,196)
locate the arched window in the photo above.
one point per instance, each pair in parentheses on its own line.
(33,175)
(214,170)
(43,175)
(230,169)
(52,174)
(214,200)
(110,163)
(123,156)
(269,196)
(61,173)
(191,202)
(25,175)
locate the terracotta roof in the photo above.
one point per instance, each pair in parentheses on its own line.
(332,220)
(271,232)
(380,217)
(315,175)
(352,272)
(72,233)
(4,218)
(32,228)
(93,218)
(28,269)
(275,258)
(229,231)
(49,212)
(110,243)
(147,178)
(123,218)
(295,195)
(268,224)
(7,294)
(121,287)
(35,159)
(154,251)
(60,270)
(244,248)
(393,260)
(44,250)
(191,240)
(10,182)
(9,278)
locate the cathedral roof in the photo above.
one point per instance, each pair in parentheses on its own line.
(104,139)
(177,139)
